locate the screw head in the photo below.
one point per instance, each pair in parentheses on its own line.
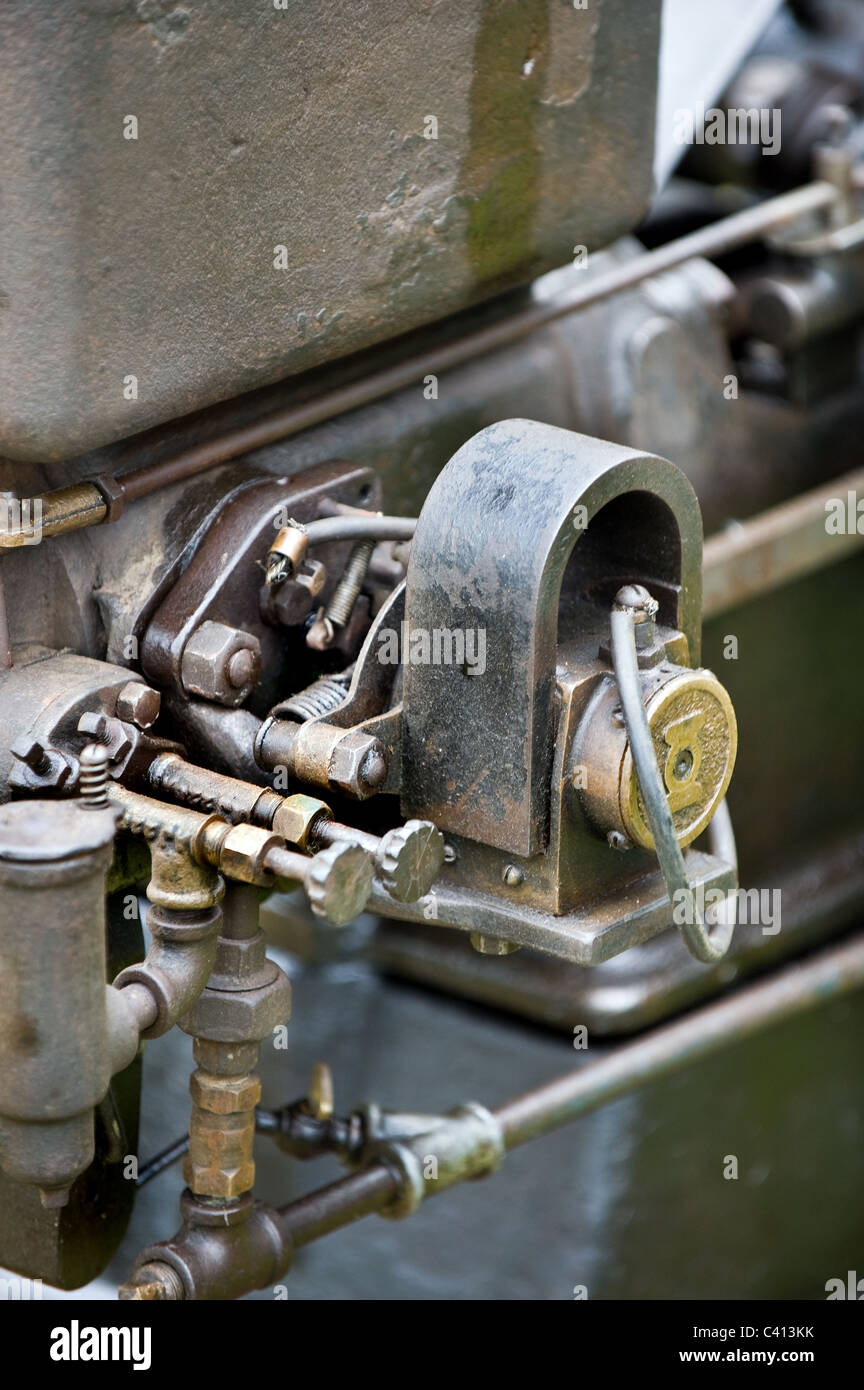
(617,840)
(513,876)
(241,668)
(637,597)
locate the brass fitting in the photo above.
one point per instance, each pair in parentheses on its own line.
(286,555)
(298,817)
(221,1134)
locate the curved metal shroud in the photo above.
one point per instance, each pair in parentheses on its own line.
(491,552)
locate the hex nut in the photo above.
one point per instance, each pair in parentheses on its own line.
(358,764)
(225,1095)
(220,1162)
(245,1016)
(110,732)
(296,816)
(210,665)
(244,851)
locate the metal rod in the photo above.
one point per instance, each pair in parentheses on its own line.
(339,1204)
(370,527)
(678,1045)
(784,543)
(85,505)
(5,641)
(658,1054)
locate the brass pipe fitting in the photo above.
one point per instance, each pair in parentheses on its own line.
(407,859)
(220,1162)
(247,996)
(337,881)
(221,1251)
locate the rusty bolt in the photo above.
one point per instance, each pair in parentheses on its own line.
(109,732)
(358,764)
(220,663)
(39,767)
(138,704)
(31,753)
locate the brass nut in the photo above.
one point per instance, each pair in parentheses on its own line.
(220,1162)
(243,852)
(296,816)
(224,1095)
(216,1182)
(220,663)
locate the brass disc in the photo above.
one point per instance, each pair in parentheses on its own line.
(695,735)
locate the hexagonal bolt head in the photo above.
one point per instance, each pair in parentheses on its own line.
(358,764)
(30,752)
(292,601)
(109,732)
(220,663)
(138,704)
